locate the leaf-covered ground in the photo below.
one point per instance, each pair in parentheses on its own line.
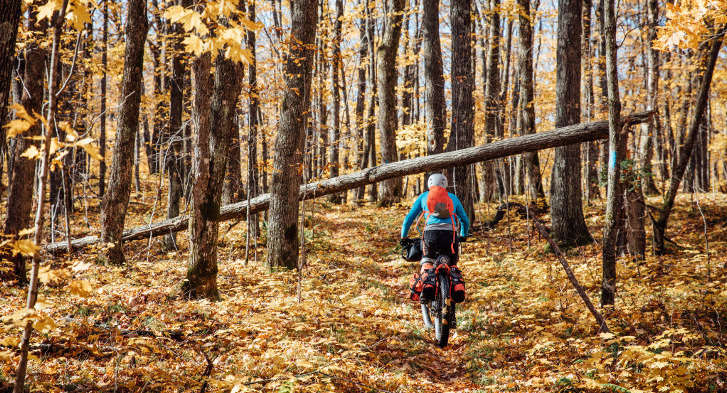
(523,328)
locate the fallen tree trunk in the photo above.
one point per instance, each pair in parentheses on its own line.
(577,133)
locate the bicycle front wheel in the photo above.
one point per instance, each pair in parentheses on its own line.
(441,311)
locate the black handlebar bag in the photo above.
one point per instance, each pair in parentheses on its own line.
(411,249)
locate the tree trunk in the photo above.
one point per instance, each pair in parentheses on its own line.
(433,77)
(603,85)
(591,149)
(462,126)
(492,89)
(175,130)
(215,129)
(334,134)
(361,102)
(283,215)
(232,188)
(20,194)
(373,98)
(252,119)
(617,152)
(9,22)
(651,131)
(390,190)
(578,133)
(116,200)
(685,150)
(38,225)
(530,160)
(566,211)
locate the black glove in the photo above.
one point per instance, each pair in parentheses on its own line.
(403,242)
(462,239)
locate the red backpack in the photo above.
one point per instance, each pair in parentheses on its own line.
(440,205)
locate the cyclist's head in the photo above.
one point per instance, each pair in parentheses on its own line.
(437,179)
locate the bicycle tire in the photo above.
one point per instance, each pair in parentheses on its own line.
(441,310)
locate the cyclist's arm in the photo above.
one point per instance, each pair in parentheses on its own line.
(414,212)
(464,229)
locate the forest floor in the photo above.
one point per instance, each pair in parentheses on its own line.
(522,328)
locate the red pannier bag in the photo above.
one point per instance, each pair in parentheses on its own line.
(458,290)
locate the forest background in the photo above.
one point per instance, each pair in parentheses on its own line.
(136,120)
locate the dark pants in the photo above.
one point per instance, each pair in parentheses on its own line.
(439,242)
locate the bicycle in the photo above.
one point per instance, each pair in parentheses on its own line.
(442,307)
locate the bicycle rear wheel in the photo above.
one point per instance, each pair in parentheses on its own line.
(441,311)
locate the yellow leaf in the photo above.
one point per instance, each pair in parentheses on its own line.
(25,247)
(47,10)
(92,151)
(250,25)
(71,134)
(80,288)
(78,15)
(175,13)
(22,123)
(194,45)
(44,324)
(31,153)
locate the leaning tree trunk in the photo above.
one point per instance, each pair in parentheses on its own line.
(530,160)
(617,152)
(433,76)
(214,118)
(283,215)
(577,133)
(175,131)
(566,211)
(685,150)
(390,190)
(116,199)
(462,126)
(20,194)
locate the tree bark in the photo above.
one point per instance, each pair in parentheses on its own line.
(591,149)
(20,193)
(9,22)
(283,215)
(216,126)
(492,90)
(175,130)
(116,200)
(361,129)
(462,125)
(390,190)
(617,152)
(685,150)
(651,131)
(530,160)
(334,134)
(566,210)
(252,119)
(577,133)
(433,77)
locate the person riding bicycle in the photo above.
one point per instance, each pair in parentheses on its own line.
(443,213)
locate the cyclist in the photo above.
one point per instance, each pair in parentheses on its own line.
(443,212)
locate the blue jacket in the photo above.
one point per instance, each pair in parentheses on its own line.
(420,205)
